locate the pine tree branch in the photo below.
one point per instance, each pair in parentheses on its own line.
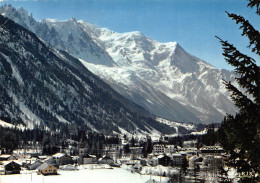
(240,100)
(246,68)
(241,132)
(248,30)
(254,3)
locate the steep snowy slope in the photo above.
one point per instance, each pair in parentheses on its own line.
(187,83)
(161,77)
(41,86)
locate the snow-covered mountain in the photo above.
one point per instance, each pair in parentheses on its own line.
(67,35)
(46,88)
(161,77)
(173,83)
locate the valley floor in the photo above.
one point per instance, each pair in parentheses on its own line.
(115,175)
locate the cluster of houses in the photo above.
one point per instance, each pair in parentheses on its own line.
(207,158)
(189,157)
(47,165)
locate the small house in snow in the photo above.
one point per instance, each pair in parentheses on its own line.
(35,165)
(164,160)
(68,167)
(7,157)
(11,167)
(47,169)
(89,159)
(106,160)
(62,159)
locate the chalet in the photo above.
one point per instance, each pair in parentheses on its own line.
(7,157)
(68,167)
(164,160)
(47,169)
(89,159)
(212,161)
(11,167)
(178,159)
(62,159)
(42,157)
(106,160)
(191,151)
(34,166)
(211,150)
(111,150)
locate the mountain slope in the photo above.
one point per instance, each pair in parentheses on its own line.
(161,77)
(188,83)
(41,86)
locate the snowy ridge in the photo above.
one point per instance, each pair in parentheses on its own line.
(8,125)
(193,87)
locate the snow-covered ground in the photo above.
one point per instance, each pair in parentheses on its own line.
(8,125)
(116,175)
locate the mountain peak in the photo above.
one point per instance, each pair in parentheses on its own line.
(9,9)
(161,77)
(135,34)
(60,34)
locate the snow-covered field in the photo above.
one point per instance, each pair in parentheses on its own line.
(116,175)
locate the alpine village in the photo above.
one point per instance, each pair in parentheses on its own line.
(78,105)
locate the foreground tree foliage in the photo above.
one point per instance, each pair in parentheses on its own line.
(240,134)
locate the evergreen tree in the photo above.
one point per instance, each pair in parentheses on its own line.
(241,133)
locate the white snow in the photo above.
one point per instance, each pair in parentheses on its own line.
(116,175)
(188,126)
(8,125)
(27,115)
(200,133)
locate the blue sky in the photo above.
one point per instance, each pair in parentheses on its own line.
(191,23)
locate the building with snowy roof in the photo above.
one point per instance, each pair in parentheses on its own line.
(47,169)
(11,167)
(7,157)
(89,159)
(211,150)
(62,159)
(106,160)
(178,159)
